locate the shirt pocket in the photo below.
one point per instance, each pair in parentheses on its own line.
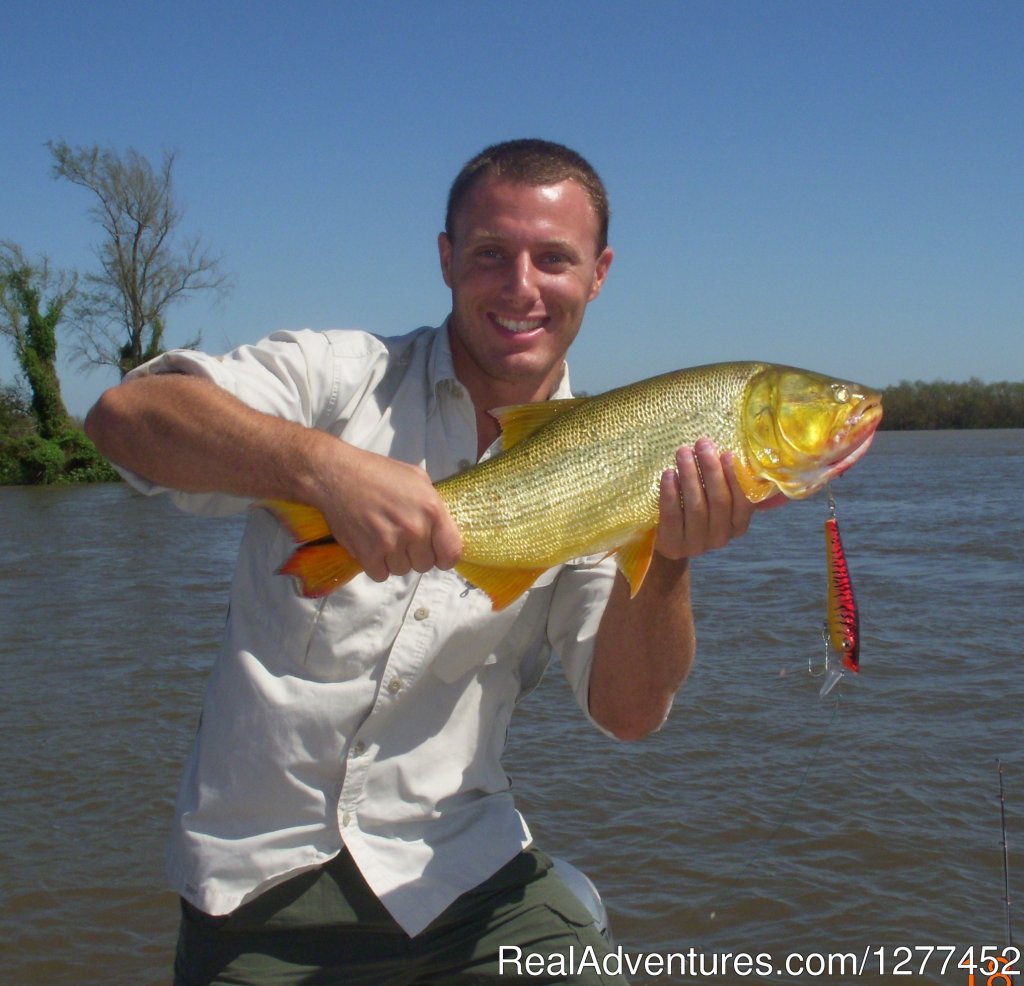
(479,637)
(352,633)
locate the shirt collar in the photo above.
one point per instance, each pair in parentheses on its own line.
(442,367)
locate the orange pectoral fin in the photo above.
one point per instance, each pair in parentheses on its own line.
(503,585)
(321,568)
(634,558)
(304,523)
(755,489)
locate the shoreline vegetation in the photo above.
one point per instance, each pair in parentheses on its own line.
(943,405)
(30,458)
(33,456)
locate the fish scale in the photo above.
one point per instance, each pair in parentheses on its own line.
(615,446)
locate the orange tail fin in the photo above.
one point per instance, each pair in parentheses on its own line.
(321,564)
(321,568)
(302,522)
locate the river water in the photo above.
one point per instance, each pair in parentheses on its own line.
(761,818)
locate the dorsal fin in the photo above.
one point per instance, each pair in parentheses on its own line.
(519,421)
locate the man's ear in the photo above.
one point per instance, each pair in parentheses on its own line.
(601,272)
(444,250)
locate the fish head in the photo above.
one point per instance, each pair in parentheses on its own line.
(803,429)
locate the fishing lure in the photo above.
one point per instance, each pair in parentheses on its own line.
(843,625)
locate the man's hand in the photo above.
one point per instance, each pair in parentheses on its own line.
(702,506)
(387,514)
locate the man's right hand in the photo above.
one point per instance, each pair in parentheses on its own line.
(386,514)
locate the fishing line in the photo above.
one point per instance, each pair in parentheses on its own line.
(1006,857)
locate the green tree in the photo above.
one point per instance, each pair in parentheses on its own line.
(122,311)
(39,443)
(31,324)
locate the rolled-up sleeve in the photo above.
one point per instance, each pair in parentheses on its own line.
(288,374)
(577,605)
(291,375)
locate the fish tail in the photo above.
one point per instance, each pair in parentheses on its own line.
(303,523)
(319,563)
(321,568)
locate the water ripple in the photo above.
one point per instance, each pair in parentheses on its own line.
(758,817)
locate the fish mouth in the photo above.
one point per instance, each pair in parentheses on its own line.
(856,438)
(847,459)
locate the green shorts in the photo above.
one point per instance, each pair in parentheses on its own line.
(326,927)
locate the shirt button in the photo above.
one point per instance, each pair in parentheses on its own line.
(346,819)
(395,685)
(359,749)
(421,614)
(464,464)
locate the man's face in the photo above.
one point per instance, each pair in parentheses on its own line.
(522,264)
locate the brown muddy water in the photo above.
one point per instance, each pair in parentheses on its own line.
(760,819)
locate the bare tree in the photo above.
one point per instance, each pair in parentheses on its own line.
(121,314)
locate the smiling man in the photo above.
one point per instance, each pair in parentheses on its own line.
(344,816)
(523,261)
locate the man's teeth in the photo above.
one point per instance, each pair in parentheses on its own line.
(512,325)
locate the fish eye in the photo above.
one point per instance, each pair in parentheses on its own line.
(840,393)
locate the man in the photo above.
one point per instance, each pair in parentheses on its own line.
(343,815)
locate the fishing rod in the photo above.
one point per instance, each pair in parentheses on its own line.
(1006,857)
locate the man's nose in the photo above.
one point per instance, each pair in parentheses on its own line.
(521,283)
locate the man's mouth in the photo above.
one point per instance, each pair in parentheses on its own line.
(516,325)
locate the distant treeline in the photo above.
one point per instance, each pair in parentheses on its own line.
(921,406)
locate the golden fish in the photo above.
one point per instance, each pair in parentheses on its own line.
(581,477)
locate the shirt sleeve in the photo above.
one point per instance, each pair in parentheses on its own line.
(581,593)
(291,375)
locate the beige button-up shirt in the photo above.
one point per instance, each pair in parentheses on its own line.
(374,718)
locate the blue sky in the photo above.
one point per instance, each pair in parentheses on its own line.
(834,185)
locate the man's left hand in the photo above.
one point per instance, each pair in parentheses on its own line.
(702,506)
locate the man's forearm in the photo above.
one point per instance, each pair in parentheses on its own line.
(644,650)
(645,646)
(188,434)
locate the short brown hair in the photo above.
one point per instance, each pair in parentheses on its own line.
(531,161)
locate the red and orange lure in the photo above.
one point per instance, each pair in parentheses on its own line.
(842,629)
